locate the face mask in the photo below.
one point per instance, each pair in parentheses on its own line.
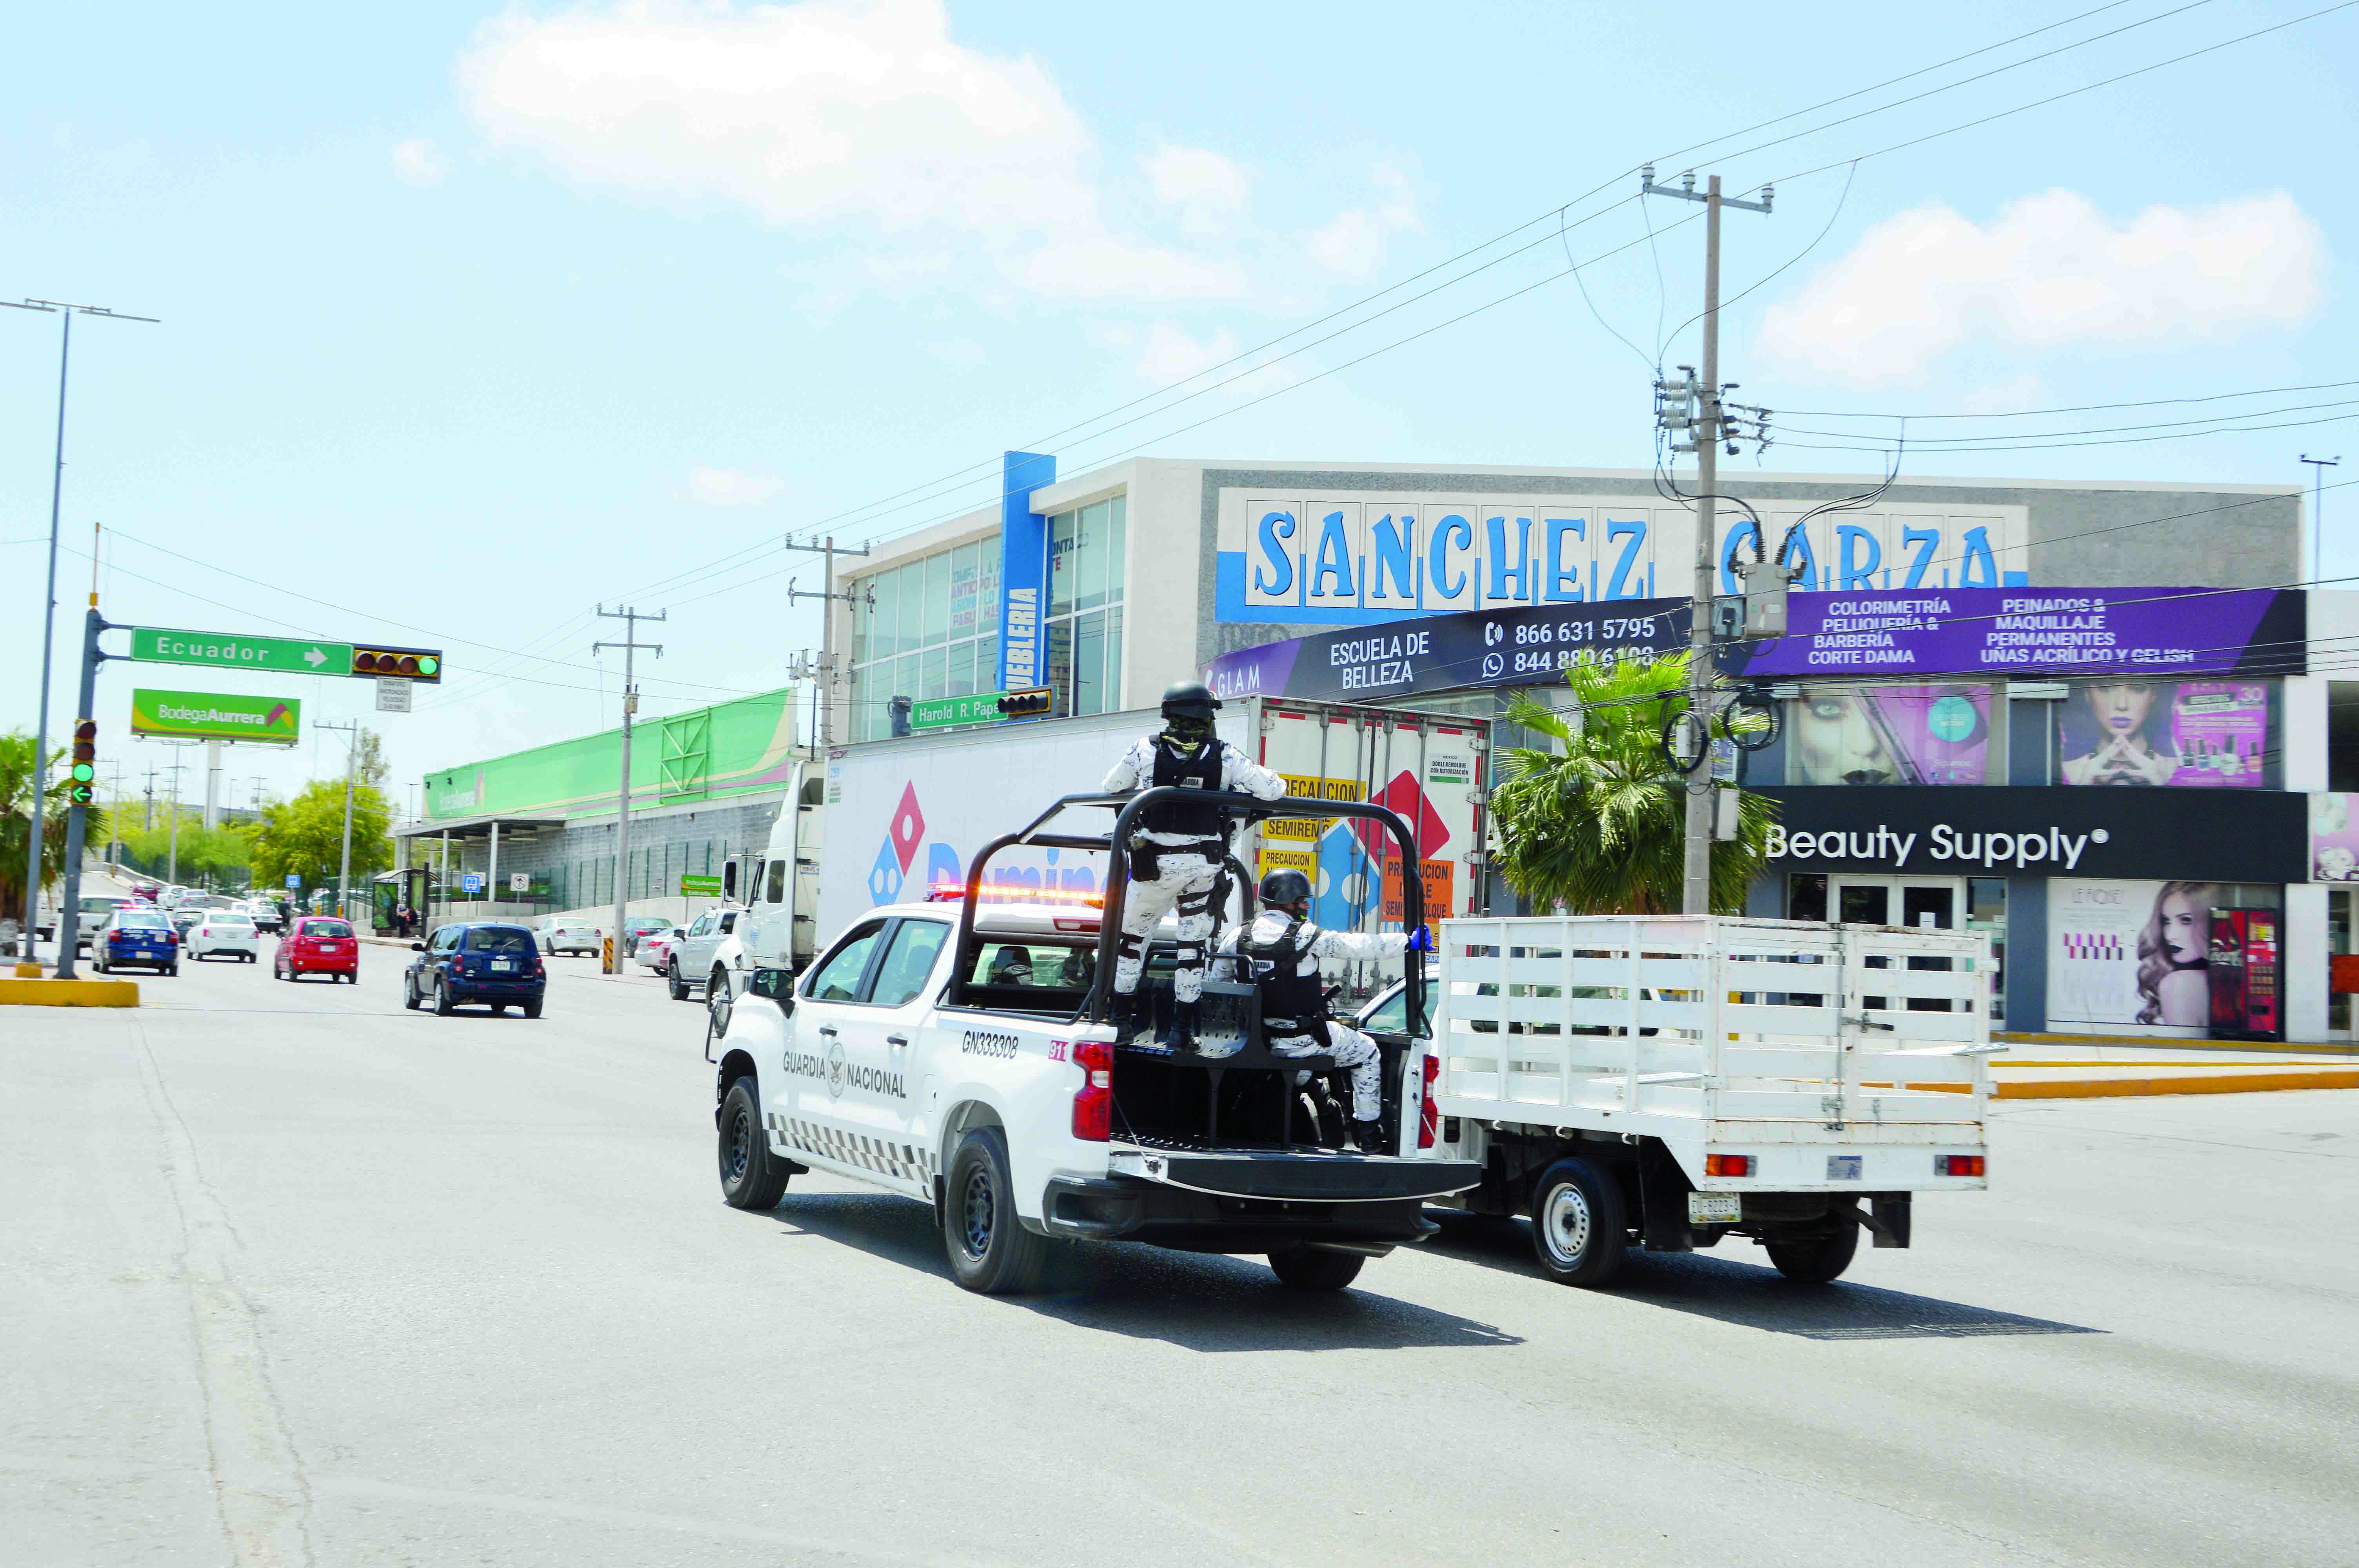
(1183,727)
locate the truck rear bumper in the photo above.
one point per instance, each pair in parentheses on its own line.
(1129,1209)
(1297,1177)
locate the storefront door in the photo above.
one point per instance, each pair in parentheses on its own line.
(1914,902)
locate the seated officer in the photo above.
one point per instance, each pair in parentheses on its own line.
(1280,953)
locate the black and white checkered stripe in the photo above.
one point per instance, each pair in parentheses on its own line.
(902,1161)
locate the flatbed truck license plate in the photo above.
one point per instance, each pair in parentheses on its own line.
(1715,1209)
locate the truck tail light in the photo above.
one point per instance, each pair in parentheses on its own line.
(1957,1164)
(1428,1116)
(1093,1101)
(1728,1165)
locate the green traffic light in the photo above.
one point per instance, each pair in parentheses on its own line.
(84,773)
(427,664)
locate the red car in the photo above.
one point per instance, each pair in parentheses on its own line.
(318,945)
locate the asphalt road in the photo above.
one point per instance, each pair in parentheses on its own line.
(294,1276)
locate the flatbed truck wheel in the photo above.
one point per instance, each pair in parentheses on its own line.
(1579,1230)
(1820,1259)
(751,1177)
(1315,1268)
(990,1250)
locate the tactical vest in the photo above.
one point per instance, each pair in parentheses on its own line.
(1197,769)
(1288,997)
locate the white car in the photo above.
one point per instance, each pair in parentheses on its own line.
(654,950)
(559,935)
(223,932)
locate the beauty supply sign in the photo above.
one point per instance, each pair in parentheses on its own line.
(2033,634)
(2019,830)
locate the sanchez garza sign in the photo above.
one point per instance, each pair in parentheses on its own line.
(1526,646)
(2027,830)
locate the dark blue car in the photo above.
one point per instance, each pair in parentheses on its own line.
(137,939)
(487,962)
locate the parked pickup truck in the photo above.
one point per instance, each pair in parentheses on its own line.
(1670,1081)
(959,1054)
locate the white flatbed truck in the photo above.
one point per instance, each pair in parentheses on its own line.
(1670,1081)
(959,1054)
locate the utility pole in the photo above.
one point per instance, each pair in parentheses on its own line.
(2318,467)
(148,820)
(352,727)
(172,860)
(49,605)
(630,645)
(1695,894)
(827,596)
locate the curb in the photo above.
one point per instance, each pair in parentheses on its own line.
(2213,1083)
(68,994)
(2168,1042)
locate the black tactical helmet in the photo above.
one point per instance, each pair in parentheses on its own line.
(1285,887)
(1190,699)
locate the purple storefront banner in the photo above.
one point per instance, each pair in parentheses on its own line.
(2034,633)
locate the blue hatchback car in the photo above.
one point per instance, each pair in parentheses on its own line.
(137,938)
(487,962)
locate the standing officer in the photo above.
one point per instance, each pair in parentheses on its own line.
(1176,854)
(1280,953)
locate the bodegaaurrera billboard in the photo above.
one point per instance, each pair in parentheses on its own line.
(217,716)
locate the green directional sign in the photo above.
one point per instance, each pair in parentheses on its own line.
(228,651)
(693,886)
(941,713)
(217,716)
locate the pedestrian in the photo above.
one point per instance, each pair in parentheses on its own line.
(1178,852)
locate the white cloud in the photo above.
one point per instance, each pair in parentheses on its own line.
(1209,192)
(733,487)
(1171,354)
(1353,244)
(1101,265)
(419,162)
(826,108)
(2049,270)
(959,353)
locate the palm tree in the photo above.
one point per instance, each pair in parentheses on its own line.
(15,792)
(1599,825)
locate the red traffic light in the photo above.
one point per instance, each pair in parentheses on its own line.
(85,746)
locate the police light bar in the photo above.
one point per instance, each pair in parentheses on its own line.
(1013,892)
(1030,700)
(410,664)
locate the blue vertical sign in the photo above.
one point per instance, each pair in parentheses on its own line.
(1023,568)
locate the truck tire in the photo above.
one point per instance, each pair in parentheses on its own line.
(1823,1258)
(1579,1230)
(671,978)
(1315,1268)
(751,1177)
(990,1250)
(717,984)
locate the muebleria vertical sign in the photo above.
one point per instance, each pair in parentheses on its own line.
(1023,567)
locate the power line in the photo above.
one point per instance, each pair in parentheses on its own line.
(2120,442)
(2072,408)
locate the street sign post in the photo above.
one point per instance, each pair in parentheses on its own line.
(941,713)
(392,694)
(216,716)
(519,881)
(294,881)
(229,651)
(699,887)
(470,882)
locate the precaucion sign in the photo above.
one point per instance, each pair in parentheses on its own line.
(216,716)
(222,650)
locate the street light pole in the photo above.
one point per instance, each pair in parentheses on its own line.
(25,949)
(2318,467)
(345,867)
(630,645)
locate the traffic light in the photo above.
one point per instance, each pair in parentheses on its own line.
(82,778)
(1025,703)
(410,664)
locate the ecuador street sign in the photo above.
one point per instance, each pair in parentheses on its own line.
(224,650)
(217,716)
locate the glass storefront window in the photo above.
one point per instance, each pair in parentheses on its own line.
(1062,528)
(1087,550)
(1089,663)
(1090,548)
(1922,733)
(933,680)
(925,628)
(935,597)
(966,565)
(1986,911)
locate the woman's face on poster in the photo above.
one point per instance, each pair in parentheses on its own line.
(2183,934)
(1839,742)
(2120,706)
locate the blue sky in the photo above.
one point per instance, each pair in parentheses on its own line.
(472,318)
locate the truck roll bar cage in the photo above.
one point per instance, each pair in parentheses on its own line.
(1126,808)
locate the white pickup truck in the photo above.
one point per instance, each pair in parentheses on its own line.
(1672,1080)
(957,1052)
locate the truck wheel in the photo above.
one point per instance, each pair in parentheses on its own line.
(671,976)
(1578,1227)
(990,1250)
(1823,1258)
(1315,1268)
(751,1177)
